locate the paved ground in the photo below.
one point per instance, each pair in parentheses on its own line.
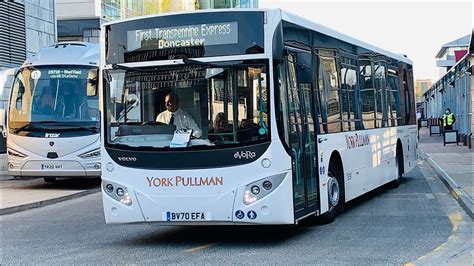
(453,164)
(456,160)
(26,193)
(419,223)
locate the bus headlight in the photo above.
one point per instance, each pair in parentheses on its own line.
(17,154)
(253,192)
(90,154)
(121,192)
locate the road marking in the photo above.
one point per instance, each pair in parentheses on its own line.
(454,218)
(199,247)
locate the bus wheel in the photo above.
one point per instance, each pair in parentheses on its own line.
(335,193)
(399,165)
(49,179)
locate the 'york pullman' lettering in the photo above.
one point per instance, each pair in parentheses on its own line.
(184,181)
(357,140)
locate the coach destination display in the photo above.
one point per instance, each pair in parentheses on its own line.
(185,35)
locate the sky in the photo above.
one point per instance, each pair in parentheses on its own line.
(416,28)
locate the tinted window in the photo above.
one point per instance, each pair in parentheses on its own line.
(367,94)
(348,96)
(330,87)
(380,91)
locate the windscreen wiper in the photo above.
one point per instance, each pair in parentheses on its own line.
(79,128)
(27,127)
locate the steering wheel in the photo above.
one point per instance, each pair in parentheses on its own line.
(153,123)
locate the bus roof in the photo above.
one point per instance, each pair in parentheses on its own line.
(66,53)
(289,17)
(327,31)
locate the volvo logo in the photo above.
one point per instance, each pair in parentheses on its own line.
(51,143)
(127,159)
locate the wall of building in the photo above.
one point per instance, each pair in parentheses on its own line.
(12,28)
(28,25)
(40,25)
(77,9)
(454,90)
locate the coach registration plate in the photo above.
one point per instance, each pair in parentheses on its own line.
(51,166)
(186,216)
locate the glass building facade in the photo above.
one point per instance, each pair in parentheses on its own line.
(80,20)
(163,6)
(120,9)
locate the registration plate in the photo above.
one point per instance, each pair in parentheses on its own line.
(186,216)
(51,166)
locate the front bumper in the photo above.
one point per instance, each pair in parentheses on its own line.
(52,168)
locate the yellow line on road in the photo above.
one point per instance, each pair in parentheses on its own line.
(454,218)
(199,247)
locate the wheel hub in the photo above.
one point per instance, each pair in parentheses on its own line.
(333,191)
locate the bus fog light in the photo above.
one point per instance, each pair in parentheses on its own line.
(267,185)
(11,166)
(117,192)
(120,192)
(109,188)
(255,190)
(97,166)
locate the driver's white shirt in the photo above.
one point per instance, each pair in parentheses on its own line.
(181,119)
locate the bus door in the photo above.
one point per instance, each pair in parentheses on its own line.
(302,132)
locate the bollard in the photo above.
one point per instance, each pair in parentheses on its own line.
(470,141)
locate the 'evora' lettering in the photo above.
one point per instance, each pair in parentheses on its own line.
(184,181)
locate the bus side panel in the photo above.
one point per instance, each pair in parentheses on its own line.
(368,158)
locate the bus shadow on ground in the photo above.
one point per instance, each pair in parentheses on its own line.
(264,235)
(269,235)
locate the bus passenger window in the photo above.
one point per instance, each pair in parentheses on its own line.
(331,93)
(367,94)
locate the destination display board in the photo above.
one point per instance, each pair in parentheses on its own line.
(186,35)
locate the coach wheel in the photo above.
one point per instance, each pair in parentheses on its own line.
(399,165)
(335,193)
(49,179)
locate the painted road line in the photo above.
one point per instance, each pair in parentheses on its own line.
(200,247)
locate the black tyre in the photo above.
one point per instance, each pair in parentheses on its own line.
(336,195)
(399,165)
(49,179)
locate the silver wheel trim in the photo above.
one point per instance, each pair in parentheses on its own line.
(333,192)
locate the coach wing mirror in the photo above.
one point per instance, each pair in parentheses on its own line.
(92,82)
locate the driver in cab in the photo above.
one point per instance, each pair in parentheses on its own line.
(175,116)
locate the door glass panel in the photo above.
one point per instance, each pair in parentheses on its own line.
(295,126)
(310,147)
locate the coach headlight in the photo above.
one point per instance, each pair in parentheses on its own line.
(90,154)
(14,153)
(117,192)
(253,192)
